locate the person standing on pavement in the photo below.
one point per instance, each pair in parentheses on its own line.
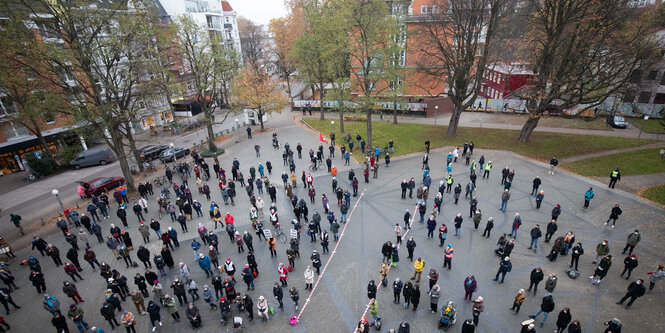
(478,307)
(635,290)
(504,267)
(615,176)
(519,299)
(602,270)
(657,274)
(546,306)
(76,315)
(631,241)
(418,266)
(629,264)
(517,222)
(536,184)
(536,277)
(602,249)
(410,247)
(614,215)
(553,164)
(448,256)
(504,200)
(577,252)
(588,195)
(551,229)
(535,235)
(470,286)
(563,320)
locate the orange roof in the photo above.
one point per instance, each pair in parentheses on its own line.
(226,6)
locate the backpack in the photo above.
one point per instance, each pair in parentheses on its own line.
(573,274)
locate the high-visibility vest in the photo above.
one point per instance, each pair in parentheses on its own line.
(449,180)
(615,174)
(488,167)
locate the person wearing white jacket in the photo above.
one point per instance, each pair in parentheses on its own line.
(262,308)
(144,204)
(309,278)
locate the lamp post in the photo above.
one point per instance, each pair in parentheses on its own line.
(436,113)
(56,192)
(644,123)
(237,126)
(332,126)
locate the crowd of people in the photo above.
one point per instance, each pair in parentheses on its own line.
(175,199)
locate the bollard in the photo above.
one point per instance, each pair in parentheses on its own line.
(42,221)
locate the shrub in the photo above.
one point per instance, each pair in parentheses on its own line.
(210,153)
(43,166)
(67,153)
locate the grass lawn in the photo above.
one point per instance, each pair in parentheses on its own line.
(650,126)
(636,162)
(577,123)
(655,194)
(409,138)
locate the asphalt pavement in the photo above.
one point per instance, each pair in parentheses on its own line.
(341,297)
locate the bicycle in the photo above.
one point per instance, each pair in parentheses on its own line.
(314,166)
(279,234)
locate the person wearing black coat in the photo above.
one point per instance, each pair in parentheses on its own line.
(546,306)
(410,246)
(468,326)
(371,290)
(404,328)
(556,211)
(248,304)
(551,229)
(144,255)
(60,323)
(153,311)
(139,281)
(73,256)
(536,277)
(108,312)
(150,277)
(278,294)
(629,264)
(635,290)
(575,327)
(536,184)
(415,297)
(563,320)
(168,258)
(406,292)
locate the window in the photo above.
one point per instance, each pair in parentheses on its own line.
(7,106)
(49,118)
(652,75)
(424,10)
(629,96)
(635,76)
(12,132)
(48,29)
(659,99)
(644,97)
(662,79)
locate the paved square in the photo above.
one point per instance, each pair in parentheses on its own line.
(341,296)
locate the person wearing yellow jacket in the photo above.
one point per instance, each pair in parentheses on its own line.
(419,265)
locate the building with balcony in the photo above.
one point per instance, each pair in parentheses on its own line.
(217,16)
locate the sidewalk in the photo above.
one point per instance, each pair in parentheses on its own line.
(492,120)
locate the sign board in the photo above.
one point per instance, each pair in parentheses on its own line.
(294,233)
(267,233)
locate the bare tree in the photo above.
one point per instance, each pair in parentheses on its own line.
(582,52)
(457,37)
(251,41)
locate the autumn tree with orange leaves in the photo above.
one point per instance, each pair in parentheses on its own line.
(256,90)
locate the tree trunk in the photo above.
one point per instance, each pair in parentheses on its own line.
(115,143)
(369,127)
(132,146)
(40,137)
(321,100)
(395,113)
(288,87)
(454,120)
(261,119)
(211,133)
(528,128)
(341,120)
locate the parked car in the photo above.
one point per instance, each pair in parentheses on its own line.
(617,121)
(149,153)
(171,154)
(101,184)
(93,156)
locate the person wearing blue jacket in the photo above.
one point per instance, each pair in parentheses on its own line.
(588,195)
(205,264)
